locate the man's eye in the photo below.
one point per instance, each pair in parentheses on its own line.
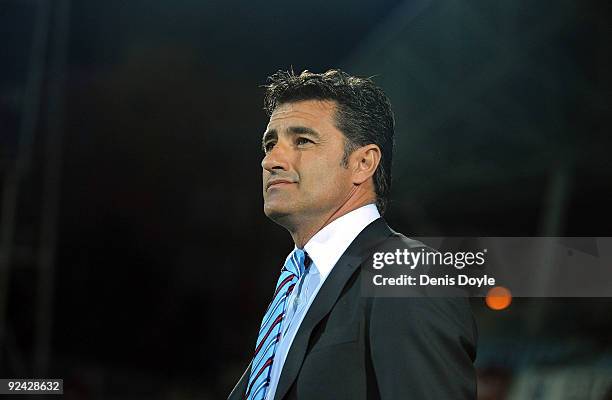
(268,146)
(303,140)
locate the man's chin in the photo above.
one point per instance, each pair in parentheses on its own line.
(280,215)
(275,212)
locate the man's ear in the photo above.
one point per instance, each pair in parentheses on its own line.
(364,162)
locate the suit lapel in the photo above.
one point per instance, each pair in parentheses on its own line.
(240,389)
(326,298)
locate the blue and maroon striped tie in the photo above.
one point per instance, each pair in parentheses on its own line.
(270,331)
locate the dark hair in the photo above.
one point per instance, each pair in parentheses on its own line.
(363,114)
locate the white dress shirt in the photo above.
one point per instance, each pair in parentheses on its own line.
(324,249)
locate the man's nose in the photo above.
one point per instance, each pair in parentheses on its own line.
(276,158)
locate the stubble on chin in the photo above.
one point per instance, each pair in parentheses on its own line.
(281,215)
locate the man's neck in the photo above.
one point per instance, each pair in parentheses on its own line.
(306,229)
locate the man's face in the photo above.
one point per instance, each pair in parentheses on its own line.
(303,175)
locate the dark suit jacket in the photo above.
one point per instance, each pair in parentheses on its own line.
(354,347)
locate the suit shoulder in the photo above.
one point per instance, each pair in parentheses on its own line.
(400,241)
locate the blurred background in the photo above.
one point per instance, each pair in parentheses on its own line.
(131,210)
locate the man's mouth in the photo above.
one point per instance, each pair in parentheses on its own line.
(277,183)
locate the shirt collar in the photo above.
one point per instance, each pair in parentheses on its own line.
(327,246)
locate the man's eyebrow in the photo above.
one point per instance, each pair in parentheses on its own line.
(303,130)
(292,130)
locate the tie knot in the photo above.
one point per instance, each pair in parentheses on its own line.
(301,260)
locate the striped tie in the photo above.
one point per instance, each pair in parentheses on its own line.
(270,331)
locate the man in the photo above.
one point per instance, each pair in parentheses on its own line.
(326,179)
